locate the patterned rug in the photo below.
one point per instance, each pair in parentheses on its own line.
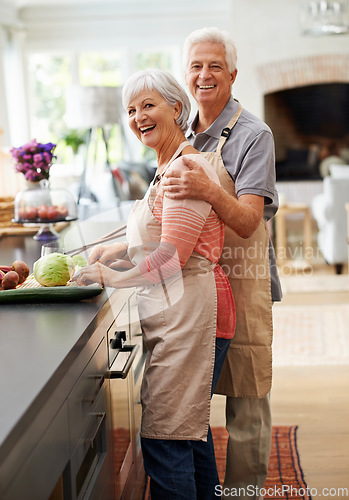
(310,335)
(285,476)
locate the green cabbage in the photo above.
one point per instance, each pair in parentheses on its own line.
(54,269)
(79,261)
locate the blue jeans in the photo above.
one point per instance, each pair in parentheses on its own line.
(222,346)
(183,469)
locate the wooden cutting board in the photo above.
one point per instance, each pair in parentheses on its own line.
(19,230)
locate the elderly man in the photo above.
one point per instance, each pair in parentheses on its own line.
(241,148)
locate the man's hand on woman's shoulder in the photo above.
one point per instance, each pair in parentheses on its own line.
(192,183)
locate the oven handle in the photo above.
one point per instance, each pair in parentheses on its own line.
(124,372)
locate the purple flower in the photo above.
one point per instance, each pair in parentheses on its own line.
(34,159)
(37,158)
(47,157)
(31,176)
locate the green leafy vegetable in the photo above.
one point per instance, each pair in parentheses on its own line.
(54,269)
(79,261)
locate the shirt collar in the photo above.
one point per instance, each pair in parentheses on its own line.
(215,129)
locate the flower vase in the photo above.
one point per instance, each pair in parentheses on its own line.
(32,184)
(38,192)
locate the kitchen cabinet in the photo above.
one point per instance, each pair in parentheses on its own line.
(26,481)
(61,411)
(126,406)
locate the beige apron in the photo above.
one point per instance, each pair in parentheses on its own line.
(247,370)
(178,318)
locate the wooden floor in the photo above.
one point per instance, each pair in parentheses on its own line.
(316,398)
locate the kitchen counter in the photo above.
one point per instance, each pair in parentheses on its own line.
(39,347)
(38,342)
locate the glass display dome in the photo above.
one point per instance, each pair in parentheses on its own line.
(41,205)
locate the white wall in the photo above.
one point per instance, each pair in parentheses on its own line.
(8,18)
(3,108)
(100,25)
(8,14)
(264,31)
(130,23)
(268,31)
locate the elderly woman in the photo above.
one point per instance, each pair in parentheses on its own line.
(173,247)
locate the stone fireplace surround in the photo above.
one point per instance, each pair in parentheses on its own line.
(298,154)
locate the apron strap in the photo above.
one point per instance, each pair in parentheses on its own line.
(227,130)
(178,151)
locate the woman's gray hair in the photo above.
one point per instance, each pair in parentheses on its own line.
(164,83)
(212,35)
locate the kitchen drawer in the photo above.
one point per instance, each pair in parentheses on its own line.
(82,399)
(91,462)
(40,472)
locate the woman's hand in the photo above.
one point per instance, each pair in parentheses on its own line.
(192,184)
(121,265)
(106,254)
(96,273)
(109,277)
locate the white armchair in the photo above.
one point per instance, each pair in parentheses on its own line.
(328,209)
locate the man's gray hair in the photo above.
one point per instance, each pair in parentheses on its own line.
(164,83)
(212,35)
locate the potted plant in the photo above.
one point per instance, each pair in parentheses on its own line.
(74,138)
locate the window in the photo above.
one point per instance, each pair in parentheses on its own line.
(52,74)
(160,60)
(100,69)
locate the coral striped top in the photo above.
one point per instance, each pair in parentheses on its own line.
(191,226)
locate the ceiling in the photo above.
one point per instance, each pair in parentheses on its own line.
(23,3)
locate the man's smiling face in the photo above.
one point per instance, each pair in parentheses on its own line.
(207,75)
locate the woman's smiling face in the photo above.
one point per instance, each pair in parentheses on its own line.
(152,119)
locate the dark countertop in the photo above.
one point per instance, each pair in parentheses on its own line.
(38,342)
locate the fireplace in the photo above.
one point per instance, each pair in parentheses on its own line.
(309,123)
(306,105)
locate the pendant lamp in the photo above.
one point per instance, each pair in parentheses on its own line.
(324,17)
